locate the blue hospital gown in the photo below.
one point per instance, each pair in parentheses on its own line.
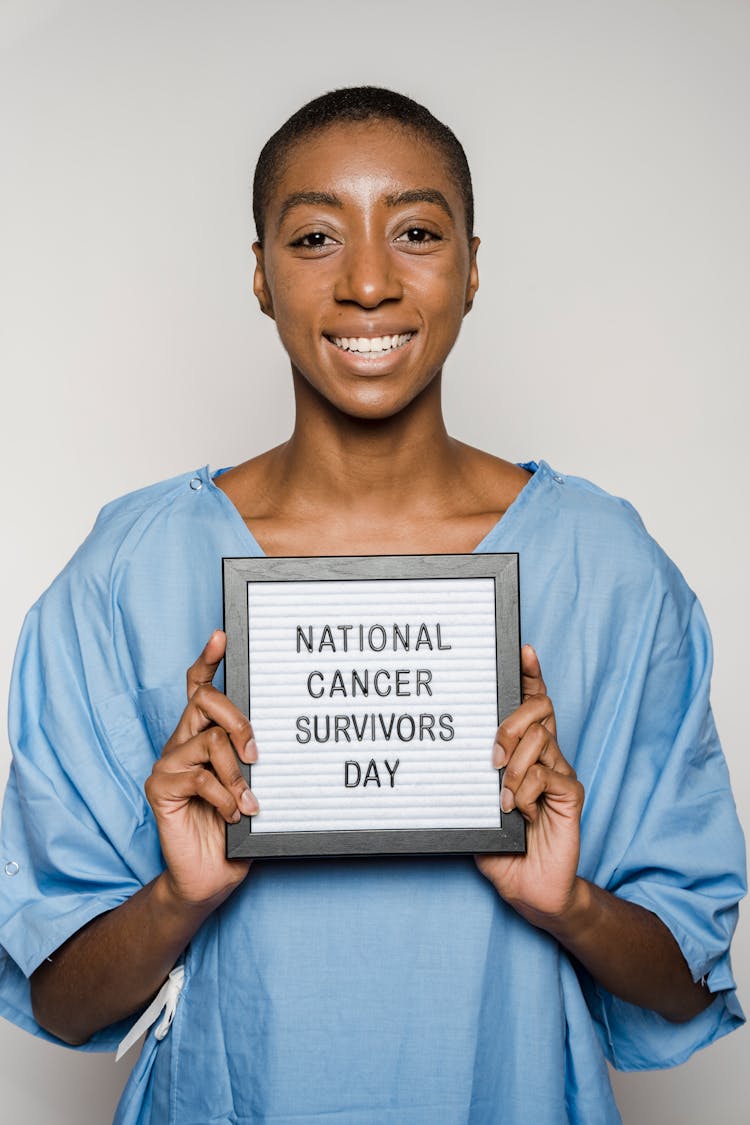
(382,991)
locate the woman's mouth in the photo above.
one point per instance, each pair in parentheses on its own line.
(371,345)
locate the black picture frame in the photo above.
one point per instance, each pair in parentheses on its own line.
(238,573)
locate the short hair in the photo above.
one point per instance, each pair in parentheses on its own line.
(357,103)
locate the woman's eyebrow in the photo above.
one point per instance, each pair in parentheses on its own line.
(420,195)
(319,198)
(327,199)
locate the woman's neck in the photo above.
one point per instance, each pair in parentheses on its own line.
(398,485)
(368,466)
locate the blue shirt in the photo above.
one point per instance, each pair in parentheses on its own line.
(380,991)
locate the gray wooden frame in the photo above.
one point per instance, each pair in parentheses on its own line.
(509,836)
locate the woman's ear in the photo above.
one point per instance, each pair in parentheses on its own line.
(260,284)
(473,283)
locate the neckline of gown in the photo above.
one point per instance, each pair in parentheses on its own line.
(540,474)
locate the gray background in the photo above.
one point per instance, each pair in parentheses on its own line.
(609,146)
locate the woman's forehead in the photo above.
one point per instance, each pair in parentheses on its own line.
(384,157)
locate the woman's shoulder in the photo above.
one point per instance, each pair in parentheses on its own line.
(555,500)
(604,531)
(148,521)
(122,513)
(589,507)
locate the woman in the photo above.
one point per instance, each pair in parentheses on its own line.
(379,990)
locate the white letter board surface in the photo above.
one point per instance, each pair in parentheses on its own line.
(375,686)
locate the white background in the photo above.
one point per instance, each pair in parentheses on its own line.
(609,145)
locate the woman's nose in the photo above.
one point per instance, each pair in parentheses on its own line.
(369,274)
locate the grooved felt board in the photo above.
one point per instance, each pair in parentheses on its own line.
(375,685)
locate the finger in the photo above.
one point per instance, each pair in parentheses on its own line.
(211,748)
(210,707)
(204,669)
(537,709)
(200,683)
(538,746)
(544,785)
(177,787)
(532,682)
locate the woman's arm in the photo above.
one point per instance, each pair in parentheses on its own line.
(115,964)
(625,948)
(630,952)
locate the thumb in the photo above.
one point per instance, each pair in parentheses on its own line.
(204,669)
(532,682)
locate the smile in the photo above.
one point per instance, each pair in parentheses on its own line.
(371,344)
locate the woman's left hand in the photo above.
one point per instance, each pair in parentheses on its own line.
(542,785)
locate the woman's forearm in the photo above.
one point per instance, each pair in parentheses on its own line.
(630,952)
(113,966)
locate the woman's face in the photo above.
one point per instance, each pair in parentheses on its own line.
(366,266)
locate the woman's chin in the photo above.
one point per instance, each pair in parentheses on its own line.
(367,399)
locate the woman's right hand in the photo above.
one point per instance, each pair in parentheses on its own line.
(196,788)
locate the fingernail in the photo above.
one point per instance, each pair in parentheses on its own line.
(498,756)
(251,751)
(507,803)
(248,803)
(235,816)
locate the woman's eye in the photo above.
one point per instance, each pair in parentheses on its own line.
(418,235)
(315,240)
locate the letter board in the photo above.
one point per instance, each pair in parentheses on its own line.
(375,686)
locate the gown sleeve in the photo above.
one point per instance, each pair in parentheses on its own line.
(674,844)
(76,838)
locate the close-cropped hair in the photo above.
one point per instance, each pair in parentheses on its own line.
(350,104)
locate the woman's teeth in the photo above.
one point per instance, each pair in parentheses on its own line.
(371,343)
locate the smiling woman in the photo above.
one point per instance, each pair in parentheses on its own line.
(367,266)
(401,991)
(365,240)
